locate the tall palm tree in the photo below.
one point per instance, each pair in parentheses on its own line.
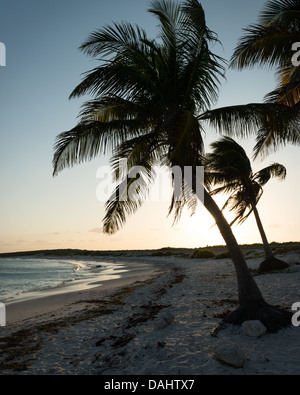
(271,42)
(229,166)
(148,95)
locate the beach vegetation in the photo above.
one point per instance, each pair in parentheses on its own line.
(200,253)
(253,254)
(229,169)
(222,255)
(151,101)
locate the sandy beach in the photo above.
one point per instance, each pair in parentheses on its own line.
(156,320)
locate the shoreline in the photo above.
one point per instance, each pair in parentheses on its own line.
(56,302)
(161,324)
(97,278)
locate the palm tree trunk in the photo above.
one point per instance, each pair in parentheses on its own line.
(267,248)
(252,306)
(248,291)
(271,262)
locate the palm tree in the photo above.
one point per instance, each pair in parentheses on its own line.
(229,166)
(271,42)
(148,95)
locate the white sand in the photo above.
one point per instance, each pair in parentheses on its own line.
(184,346)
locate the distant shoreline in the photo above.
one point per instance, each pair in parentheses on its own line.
(165,251)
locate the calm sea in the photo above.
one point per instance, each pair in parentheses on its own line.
(23,278)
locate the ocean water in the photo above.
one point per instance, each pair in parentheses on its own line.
(23,278)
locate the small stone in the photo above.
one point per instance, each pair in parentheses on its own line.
(254,328)
(230,353)
(165,320)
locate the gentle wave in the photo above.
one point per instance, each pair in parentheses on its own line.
(78,265)
(22,278)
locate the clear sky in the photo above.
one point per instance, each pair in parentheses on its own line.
(43,65)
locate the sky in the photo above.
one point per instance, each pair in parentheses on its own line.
(43,65)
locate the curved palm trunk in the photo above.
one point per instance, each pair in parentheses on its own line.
(252,306)
(248,291)
(267,248)
(271,262)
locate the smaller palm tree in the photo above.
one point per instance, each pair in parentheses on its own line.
(229,166)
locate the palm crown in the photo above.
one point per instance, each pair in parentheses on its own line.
(229,166)
(267,43)
(147,98)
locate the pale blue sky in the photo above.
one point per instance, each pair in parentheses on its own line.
(43,65)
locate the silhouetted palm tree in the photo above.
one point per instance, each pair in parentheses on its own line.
(229,167)
(271,42)
(267,43)
(148,94)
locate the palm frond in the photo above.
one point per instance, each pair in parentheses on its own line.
(270,43)
(86,141)
(128,197)
(120,39)
(115,79)
(227,188)
(288,88)
(275,170)
(229,157)
(203,69)
(263,46)
(241,120)
(134,162)
(243,211)
(277,10)
(237,203)
(282,129)
(274,124)
(229,168)
(135,151)
(169,15)
(184,193)
(81,143)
